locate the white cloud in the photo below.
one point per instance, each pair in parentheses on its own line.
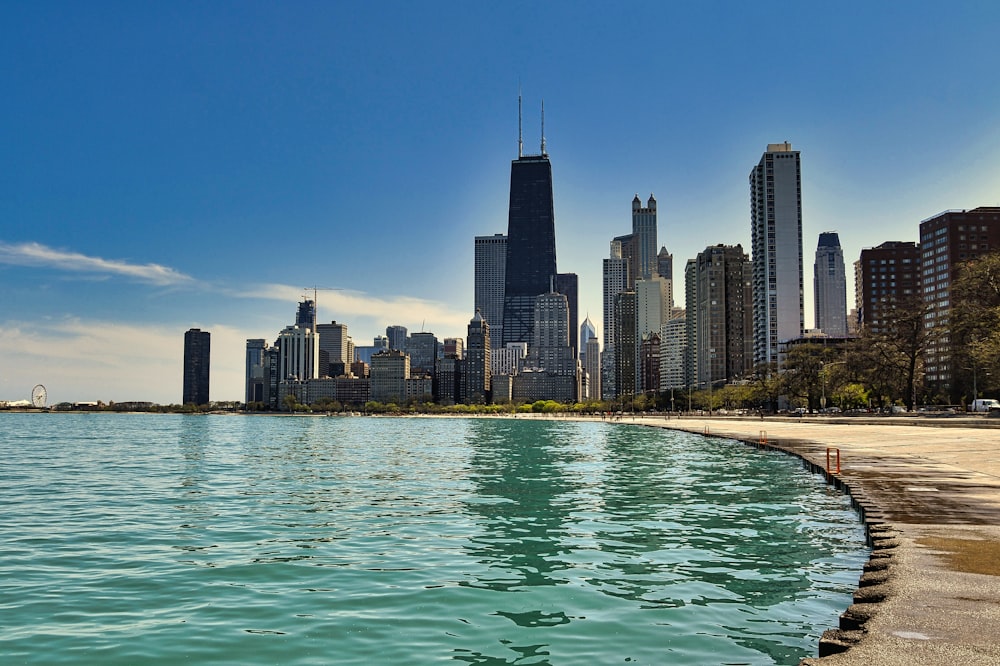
(350,306)
(80,359)
(88,360)
(36,254)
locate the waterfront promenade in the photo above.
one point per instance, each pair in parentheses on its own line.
(931,496)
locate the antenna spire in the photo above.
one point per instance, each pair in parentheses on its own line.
(543,129)
(520,143)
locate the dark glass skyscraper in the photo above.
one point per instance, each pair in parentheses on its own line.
(197,352)
(531,245)
(306,314)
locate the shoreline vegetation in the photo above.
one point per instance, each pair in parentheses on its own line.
(550,410)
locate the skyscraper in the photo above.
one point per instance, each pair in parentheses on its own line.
(490,268)
(476,378)
(721,312)
(615,282)
(626,343)
(665,269)
(197,355)
(644,231)
(423,351)
(830,286)
(531,241)
(665,264)
(673,343)
(306,314)
(256,362)
(334,359)
(651,312)
(690,330)
(587,331)
(389,372)
(551,369)
(649,364)
(593,361)
(947,241)
(550,349)
(397,337)
(886,277)
(298,353)
(568,284)
(776,233)
(453,347)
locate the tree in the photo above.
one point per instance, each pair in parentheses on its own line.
(851,396)
(803,371)
(891,358)
(765,387)
(327,405)
(974,323)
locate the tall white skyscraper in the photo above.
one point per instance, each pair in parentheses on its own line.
(652,310)
(776,233)
(298,349)
(615,282)
(830,286)
(673,342)
(652,305)
(490,271)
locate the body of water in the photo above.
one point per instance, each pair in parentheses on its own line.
(164,539)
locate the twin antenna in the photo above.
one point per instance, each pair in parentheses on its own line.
(520,140)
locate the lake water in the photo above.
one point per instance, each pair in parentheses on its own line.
(164,539)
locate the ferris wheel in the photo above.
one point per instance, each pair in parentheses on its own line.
(39,396)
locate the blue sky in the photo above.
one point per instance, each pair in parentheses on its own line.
(177,165)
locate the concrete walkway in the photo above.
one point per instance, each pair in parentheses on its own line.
(931,497)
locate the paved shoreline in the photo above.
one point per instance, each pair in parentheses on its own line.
(930,497)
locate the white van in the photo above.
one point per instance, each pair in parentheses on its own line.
(984,405)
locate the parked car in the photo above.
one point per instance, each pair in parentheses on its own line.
(984,405)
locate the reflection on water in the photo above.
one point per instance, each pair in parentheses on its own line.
(160,539)
(519,487)
(661,521)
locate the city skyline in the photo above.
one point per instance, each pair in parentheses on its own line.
(173,169)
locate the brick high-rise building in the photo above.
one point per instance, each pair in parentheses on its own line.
(947,241)
(885,276)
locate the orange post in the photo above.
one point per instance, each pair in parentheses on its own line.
(763,437)
(836,451)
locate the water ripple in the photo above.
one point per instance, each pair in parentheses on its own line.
(164,538)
